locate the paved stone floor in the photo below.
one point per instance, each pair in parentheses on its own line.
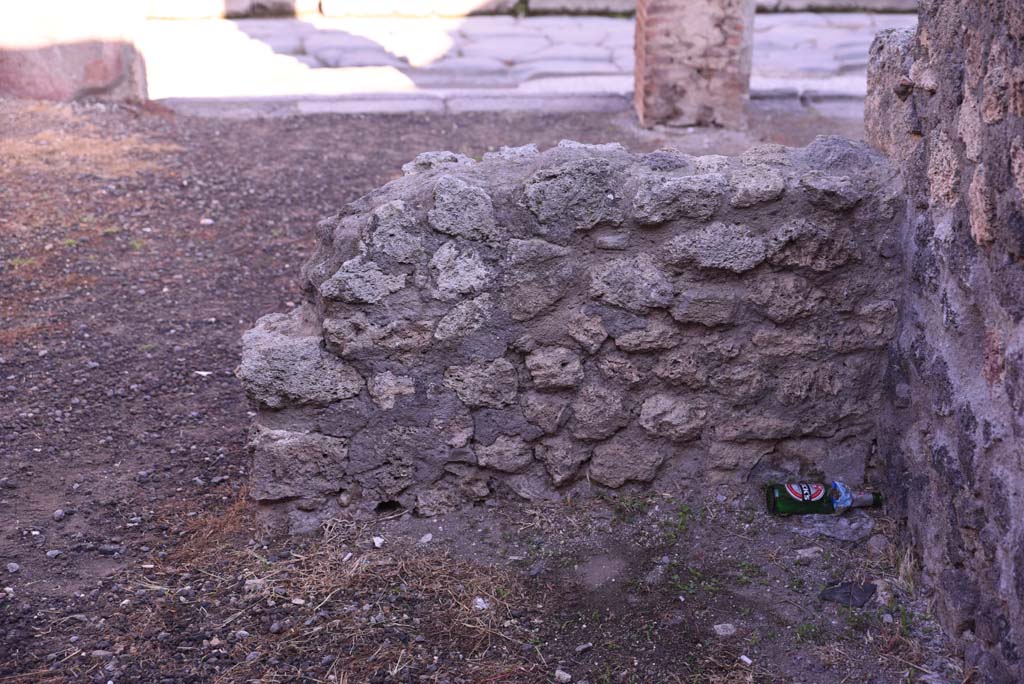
(280,66)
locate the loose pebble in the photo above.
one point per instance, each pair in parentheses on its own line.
(804,556)
(725,629)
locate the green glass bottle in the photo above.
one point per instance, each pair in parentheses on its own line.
(801,498)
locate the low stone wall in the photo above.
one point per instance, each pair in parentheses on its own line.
(947,103)
(67,49)
(536,324)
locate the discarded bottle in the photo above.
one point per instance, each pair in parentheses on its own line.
(801,498)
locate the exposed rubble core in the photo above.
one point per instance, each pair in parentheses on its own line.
(947,104)
(543,323)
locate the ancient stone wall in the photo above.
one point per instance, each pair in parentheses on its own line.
(947,103)
(582,319)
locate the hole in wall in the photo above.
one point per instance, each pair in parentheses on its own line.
(388,507)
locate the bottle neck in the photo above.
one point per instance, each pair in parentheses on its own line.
(863,500)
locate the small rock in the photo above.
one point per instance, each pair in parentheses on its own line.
(887,618)
(805,556)
(378,542)
(254,655)
(583,648)
(276,628)
(562,677)
(725,629)
(848,593)
(655,576)
(58,514)
(745,660)
(883,593)
(206,222)
(98,653)
(426,539)
(13,568)
(326,660)
(480,603)
(53,553)
(879,546)
(253,585)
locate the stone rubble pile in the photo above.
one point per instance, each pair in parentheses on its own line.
(583,318)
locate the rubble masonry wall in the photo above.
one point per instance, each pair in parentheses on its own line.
(947,104)
(577,320)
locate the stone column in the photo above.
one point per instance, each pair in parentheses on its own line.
(693,62)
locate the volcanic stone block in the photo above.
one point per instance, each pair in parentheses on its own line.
(724,246)
(282,364)
(361,282)
(636,284)
(554,367)
(666,198)
(462,210)
(491,384)
(577,195)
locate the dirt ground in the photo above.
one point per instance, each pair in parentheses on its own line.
(135,247)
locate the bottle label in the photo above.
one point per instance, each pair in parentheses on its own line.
(802,491)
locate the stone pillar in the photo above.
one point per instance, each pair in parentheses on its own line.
(68,49)
(693,62)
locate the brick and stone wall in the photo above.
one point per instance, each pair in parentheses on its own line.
(693,60)
(578,320)
(947,103)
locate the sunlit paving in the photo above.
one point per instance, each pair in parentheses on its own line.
(476,63)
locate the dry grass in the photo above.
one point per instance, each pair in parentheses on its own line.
(85,150)
(341,611)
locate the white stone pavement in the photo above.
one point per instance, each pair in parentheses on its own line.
(554,63)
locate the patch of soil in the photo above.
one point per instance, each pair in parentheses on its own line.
(135,247)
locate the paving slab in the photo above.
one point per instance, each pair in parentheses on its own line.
(505,49)
(576,53)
